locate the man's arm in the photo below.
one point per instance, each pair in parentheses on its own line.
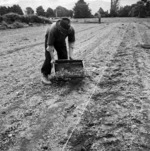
(50,49)
(71,42)
(50,42)
(71,48)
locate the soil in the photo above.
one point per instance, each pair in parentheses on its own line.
(109,110)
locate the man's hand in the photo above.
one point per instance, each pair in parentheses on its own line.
(70,58)
(52,61)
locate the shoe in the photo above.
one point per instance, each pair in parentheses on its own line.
(45,80)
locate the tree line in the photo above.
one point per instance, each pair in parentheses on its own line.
(59,11)
(139,9)
(82,10)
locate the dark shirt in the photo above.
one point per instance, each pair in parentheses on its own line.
(54,35)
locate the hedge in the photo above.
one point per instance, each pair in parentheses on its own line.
(1,18)
(12,17)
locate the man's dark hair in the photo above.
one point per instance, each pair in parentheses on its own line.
(65,23)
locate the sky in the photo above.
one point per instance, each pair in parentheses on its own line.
(94,5)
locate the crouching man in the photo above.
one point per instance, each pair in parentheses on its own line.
(55,39)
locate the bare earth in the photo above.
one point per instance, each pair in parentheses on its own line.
(107,111)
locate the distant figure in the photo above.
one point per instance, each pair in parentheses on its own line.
(99,17)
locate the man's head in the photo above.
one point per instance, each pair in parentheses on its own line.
(65,23)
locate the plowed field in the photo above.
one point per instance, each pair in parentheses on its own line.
(107,111)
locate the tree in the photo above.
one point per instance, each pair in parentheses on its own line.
(40,11)
(3,10)
(114,8)
(124,11)
(50,12)
(15,9)
(29,11)
(147,6)
(113,13)
(134,11)
(145,1)
(81,10)
(62,12)
(102,12)
(71,13)
(140,9)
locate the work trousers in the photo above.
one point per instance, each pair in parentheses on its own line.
(61,50)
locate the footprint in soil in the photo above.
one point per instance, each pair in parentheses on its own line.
(116,75)
(70,108)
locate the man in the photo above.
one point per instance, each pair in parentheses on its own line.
(55,39)
(99,16)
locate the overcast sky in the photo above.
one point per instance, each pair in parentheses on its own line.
(94,5)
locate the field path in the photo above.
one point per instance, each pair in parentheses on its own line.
(36,117)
